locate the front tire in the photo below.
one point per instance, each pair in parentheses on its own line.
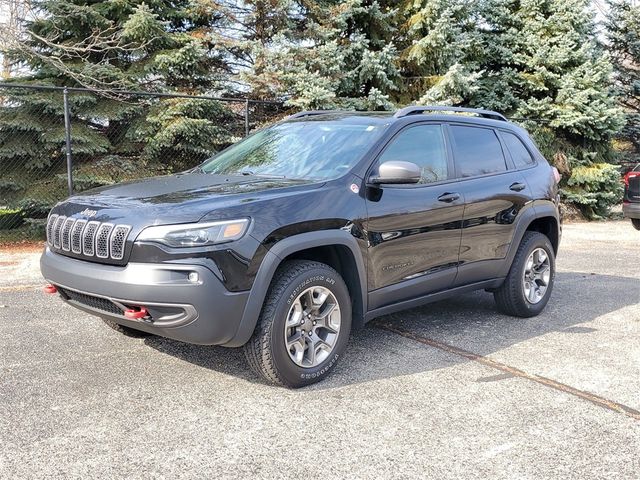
(527,288)
(304,325)
(636,223)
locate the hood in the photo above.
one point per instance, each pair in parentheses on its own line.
(180,198)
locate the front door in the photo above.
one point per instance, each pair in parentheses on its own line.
(414,230)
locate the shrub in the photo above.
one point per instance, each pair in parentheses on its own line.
(594,189)
(36,228)
(10,218)
(35,208)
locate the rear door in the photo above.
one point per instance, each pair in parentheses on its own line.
(414,230)
(495,193)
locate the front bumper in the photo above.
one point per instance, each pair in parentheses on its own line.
(631,210)
(201,312)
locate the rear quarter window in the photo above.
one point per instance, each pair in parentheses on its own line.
(477,151)
(519,153)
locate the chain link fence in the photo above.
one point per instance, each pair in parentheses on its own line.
(56,141)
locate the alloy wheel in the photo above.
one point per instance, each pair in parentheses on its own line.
(312,327)
(537,275)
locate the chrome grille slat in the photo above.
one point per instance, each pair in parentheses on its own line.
(118,241)
(50,224)
(102,240)
(88,238)
(57,230)
(76,236)
(65,234)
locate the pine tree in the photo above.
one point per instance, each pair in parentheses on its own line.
(255,28)
(341,56)
(440,42)
(539,60)
(153,45)
(623,38)
(530,59)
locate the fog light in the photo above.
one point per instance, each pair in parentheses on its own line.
(193,277)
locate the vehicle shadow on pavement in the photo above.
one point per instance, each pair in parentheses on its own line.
(469,321)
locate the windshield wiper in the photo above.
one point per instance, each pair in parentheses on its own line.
(251,173)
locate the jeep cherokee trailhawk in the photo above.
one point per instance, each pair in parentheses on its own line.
(286,240)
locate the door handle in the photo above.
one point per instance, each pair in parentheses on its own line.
(448,197)
(517,187)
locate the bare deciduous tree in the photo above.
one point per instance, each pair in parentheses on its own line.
(13,14)
(70,58)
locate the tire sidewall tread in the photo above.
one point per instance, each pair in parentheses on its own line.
(510,297)
(266,352)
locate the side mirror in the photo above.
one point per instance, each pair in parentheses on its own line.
(397,172)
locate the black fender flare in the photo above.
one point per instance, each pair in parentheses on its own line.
(274,258)
(538,210)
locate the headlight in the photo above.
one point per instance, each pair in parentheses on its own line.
(195,234)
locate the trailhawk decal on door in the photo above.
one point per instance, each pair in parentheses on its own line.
(386,268)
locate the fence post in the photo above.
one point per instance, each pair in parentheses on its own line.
(67,137)
(246,117)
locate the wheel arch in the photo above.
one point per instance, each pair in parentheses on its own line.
(548,226)
(542,218)
(337,248)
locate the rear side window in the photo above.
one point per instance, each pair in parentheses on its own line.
(521,156)
(477,151)
(423,145)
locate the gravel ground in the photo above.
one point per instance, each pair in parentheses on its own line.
(450,390)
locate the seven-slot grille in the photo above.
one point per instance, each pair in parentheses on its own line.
(102,240)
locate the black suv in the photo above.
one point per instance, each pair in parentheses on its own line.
(285,241)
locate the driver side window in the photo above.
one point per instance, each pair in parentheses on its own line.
(423,145)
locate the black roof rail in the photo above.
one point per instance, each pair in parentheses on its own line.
(311,113)
(415,110)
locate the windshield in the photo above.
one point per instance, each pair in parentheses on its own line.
(313,149)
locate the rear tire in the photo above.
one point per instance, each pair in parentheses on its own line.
(527,288)
(304,325)
(636,223)
(126,331)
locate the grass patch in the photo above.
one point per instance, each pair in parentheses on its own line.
(10,218)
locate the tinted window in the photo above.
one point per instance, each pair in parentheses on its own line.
(477,151)
(423,145)
(519,153)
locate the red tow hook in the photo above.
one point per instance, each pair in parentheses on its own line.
(50,289)
(136,314)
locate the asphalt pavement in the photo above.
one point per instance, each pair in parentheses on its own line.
(450,390)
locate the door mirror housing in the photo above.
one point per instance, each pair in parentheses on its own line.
(397,172)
